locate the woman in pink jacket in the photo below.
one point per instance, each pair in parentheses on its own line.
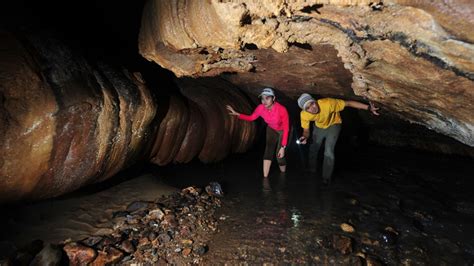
(276,116)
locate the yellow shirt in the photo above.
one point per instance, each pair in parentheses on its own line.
(328,115)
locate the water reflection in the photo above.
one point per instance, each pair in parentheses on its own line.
(296,217)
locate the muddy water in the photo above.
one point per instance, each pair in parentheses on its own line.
(406,208)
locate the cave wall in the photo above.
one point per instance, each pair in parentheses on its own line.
(66,122)
(413,58)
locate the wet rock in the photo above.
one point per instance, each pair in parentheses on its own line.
(127,246)
(186,252)
(342,244)
(200,250)
(92,241)
(372,261)
(79,254)
(50,255)
(133,219)
(156,214)
(120,214)
(170,220)
(190,190)
(370,242)
(137,206)
(347,228)
(109,255)
(106,241)
(152,236)
(144,243)
(214,189)
(164,238)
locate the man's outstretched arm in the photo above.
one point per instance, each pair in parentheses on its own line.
(358,105)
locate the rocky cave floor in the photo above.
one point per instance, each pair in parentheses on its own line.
(383,207)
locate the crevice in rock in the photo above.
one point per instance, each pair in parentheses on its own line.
(305,46)
(401,39)
(312,8)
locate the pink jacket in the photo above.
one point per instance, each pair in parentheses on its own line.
(276,118)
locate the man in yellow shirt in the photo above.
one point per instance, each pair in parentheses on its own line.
(327,120)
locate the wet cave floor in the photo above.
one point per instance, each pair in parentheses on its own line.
(383,207)
(397,208)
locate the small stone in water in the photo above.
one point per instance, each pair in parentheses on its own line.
(342,243)
(186,252)
(164,238)
(347,228)
(127,246)
(214,189)
(200,250)
(156,214)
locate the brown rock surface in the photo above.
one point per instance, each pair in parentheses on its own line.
(66,122)
(79,254)
(415,58)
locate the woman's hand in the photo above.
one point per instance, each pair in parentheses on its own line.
(281,152)
(232,111)
(373,109)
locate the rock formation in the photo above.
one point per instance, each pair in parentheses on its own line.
(66,122)
(414,58)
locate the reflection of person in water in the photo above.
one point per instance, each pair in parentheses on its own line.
(276,116)
(327,125)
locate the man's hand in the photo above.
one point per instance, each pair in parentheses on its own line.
(302,140)
(373,109)
(232,111)
(281,152)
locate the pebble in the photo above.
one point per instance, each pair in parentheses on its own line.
(342,244)
(79,254)
(347,228)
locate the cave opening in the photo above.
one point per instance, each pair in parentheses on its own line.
(110,158)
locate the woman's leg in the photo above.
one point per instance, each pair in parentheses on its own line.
(281,161)
(271,142)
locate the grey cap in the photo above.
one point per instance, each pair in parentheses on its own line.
(267,92)
(304,100)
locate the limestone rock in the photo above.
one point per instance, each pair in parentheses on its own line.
(414,58)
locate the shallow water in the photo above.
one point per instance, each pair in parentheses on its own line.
(290,218)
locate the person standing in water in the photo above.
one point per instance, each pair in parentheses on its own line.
(327,125)
(276,117)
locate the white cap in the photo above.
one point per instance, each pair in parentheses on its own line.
(267,92)
(304,100)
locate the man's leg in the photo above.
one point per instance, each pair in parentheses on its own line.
(329,158)
(318,137)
